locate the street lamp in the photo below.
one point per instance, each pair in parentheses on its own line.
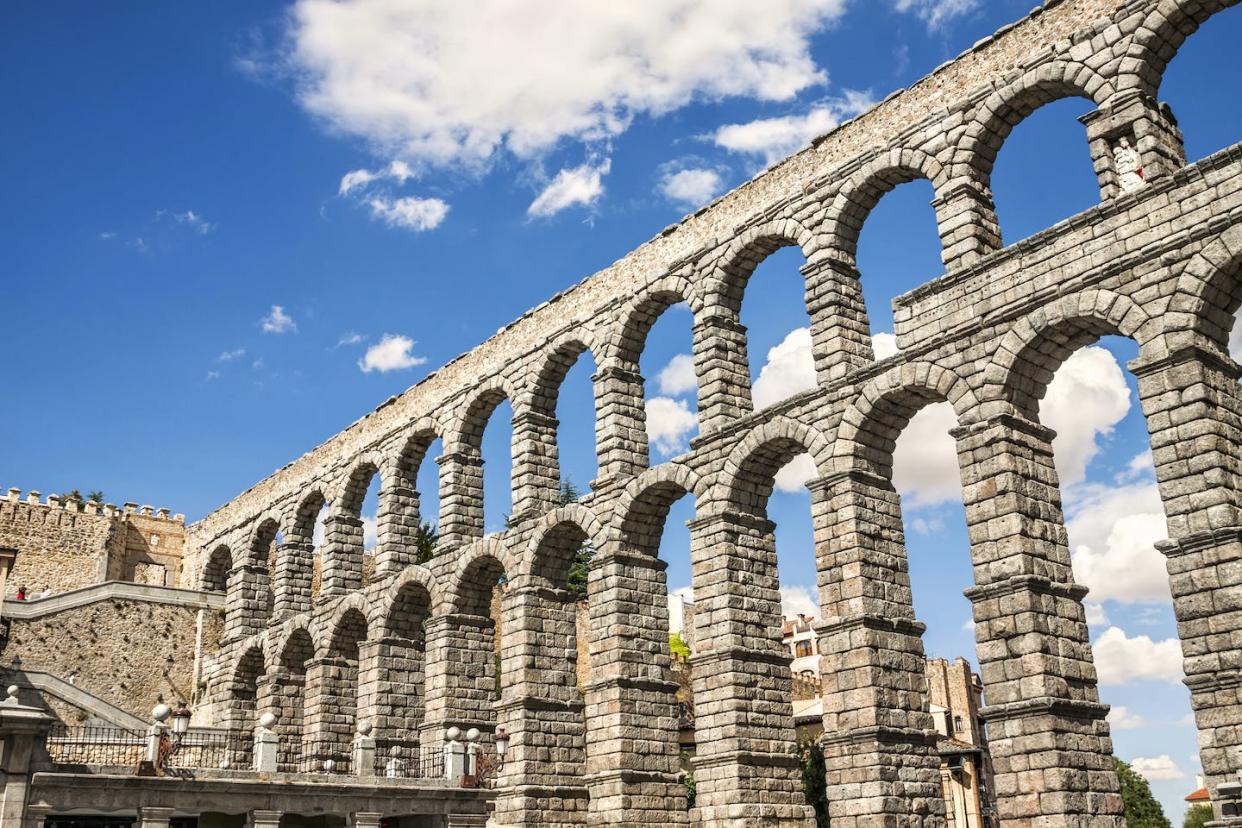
(502,744)
(180,721)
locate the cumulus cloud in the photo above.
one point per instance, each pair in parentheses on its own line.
(790,370)
(925,467)
(795,474)
(392,353)
(1120,718)
(936,13)
(277,321)
(884,345)
(670,424)
(1120,659)
(1112,533)
(409,213)
(370,532)
(692,187)
(397,171)
(678,376)
(194,221)
(775,138)
(453,84)
(1087,397)
(799,600)
(576,186)
(1096,616)
(1157,768)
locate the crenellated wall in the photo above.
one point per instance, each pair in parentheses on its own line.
(1158,261)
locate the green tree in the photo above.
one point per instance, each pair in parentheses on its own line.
(1200,814)
(580,567)
(678,646)
(1141,808)
(815,780)
(426,536)
(96,497)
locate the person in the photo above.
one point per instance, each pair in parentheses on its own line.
(21,593)
(46,593)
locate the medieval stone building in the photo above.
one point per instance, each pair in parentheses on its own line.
(406,651)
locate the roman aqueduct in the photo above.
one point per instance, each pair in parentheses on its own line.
(411,649)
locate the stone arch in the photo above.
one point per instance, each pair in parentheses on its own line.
(415,587)
(302,527)
(1210,290)
(644,505)
(216,571)
(260,549)
(1008,106)
(1037,345)
(557,539)
(747,251)
(354,488)
(638,317)
(557,360)
(749,473)
(352,621)
(243,685)
(870,426)
(1157,41)
(415,443)
(297,638)
(477,409)
(482,566)
(864,189)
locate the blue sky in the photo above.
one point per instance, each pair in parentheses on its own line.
(201,285)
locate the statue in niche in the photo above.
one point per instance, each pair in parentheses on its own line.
(1128,164)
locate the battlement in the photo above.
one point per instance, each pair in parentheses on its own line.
(90,507)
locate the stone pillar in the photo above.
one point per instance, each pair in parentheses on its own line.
(396,530)
(295,564)
(390,693)
(746,766)
(460,676)
(541,706)
(1144,126)
(536,465)
(1193,405)
(282,692)
(245,611)
(840,332)
(331,705)
(265,819)
(879,739)
(1047,733)
(342,555)
(461,496)
(966,218)
(23,745)
(631,707)
(723,369)
(620,423)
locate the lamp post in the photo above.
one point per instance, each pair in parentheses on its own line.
(160,745)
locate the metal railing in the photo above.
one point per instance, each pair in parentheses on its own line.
(412,762)
(114,746)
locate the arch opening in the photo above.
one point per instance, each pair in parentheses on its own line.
(660,348)
(776,322)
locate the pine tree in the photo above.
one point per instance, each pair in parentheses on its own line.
(1141,808)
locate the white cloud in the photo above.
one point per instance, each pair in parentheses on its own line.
(795,474)
(391,353)
(107,235)
(935,13)
(277,321)
(194,221)
(409,213)
(1087,397)
(678,376)
(1096,616)
(670,423)
(790,370)
(1120,718)
(799,600)
(1235,338)
(691,187)
(212,375)
(350,338)
(1112,532)
(370,532)
(1120,659)
(454,83)
(574,186)
(775,138)
(925,526)
(686,593)
(884,345)
(925,467)
(1157,768)
(229,356)
(398,171)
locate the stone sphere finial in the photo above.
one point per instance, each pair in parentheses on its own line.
(329,765)
(364,728)
(453,733)
(394,751)
(267,720)
(473,734)
(11,691)
(161,712)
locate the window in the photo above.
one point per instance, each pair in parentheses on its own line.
(802,649)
